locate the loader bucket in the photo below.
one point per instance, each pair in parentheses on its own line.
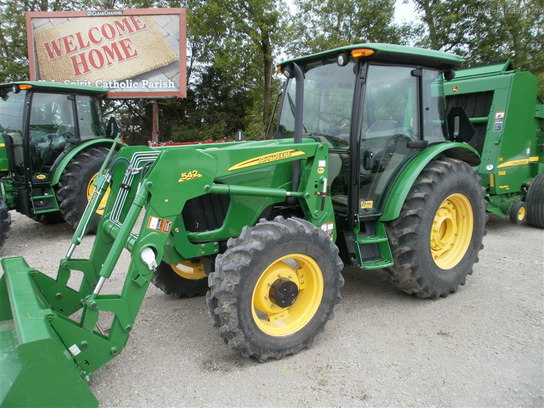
(37,369)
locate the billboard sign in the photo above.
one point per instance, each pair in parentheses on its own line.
(136,53)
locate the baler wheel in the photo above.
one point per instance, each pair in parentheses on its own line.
(437,237)
(535,202)
(187,279)
(73,187)
(518,213)
(5,223)
(275,287)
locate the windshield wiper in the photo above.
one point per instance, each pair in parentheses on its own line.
(292,106)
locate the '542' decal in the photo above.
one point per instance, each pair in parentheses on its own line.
(190,175)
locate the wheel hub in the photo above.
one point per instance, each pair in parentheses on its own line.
(451,231)
(521,214)
(287,294)
(283,292)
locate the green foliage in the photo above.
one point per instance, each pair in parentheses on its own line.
(487,30)
(322,25)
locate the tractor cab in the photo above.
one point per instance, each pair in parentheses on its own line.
(44,126)
(39,123)
(377,107)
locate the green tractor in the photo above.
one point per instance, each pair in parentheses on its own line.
(508,118)
(52,143)
(365,168)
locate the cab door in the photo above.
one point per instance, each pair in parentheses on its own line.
(390,121)
(52,125)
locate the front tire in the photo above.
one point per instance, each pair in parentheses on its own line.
(437,237)
(275,287)
(5,223)
(75,186)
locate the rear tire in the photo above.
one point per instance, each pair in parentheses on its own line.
(74,185)
(275,287)
(535,202)
(172,283)
(437,237)
(5,223)
(48,218)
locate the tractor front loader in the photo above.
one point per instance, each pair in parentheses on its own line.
(363,168)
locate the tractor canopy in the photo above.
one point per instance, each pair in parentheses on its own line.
(54,87)
(388,53)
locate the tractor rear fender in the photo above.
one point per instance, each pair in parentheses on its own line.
(401,186)
(63,160)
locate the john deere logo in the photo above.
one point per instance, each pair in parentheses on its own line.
(455,89)
(268,158)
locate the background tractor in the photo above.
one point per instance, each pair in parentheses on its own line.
(365,168)
(508,118)
(53,141)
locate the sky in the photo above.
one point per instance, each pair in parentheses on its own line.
(405,11)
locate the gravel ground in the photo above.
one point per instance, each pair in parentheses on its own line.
(481,347)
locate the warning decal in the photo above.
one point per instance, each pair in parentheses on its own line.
(158,224)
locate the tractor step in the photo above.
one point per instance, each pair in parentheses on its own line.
(44,201)
(36,365)
(377,264)
(373,250)
(370,239)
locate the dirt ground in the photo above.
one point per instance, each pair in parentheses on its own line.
(481,347)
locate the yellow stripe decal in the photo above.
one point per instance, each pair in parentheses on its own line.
(2,145)
(268,158)
(519,162)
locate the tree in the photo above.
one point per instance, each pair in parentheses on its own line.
(243,37)
(332,23)
(487,30)
(13,46)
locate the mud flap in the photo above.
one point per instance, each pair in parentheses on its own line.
(36,367)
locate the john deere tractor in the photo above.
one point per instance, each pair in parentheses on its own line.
(365,168)
(52,143)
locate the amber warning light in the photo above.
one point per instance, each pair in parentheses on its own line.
(361,52)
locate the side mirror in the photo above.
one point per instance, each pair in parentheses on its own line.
(459,127)
(367,159)
(112,130)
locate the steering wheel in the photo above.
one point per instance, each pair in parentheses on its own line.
(334,119)
(393,142)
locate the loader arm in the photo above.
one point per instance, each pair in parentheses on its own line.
(149,189)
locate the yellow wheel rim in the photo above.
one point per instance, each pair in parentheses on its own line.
(521,213)
(275,320)
(451,231)
(189,270)
(90,191)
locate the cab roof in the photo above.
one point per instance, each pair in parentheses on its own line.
(391,53)
(59,87)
